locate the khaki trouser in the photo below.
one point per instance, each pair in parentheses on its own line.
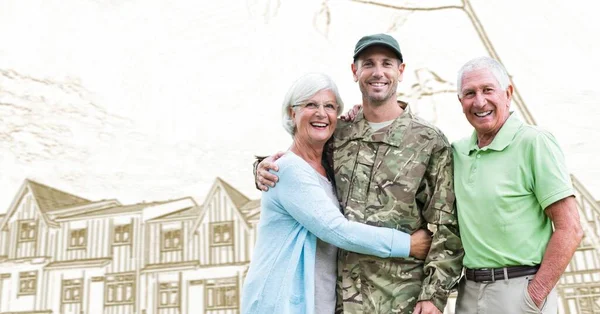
(501,297)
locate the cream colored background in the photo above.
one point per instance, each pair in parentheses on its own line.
(150,100)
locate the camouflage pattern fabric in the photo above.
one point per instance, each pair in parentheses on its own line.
(398,177)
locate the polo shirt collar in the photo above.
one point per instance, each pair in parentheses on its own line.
(502,139)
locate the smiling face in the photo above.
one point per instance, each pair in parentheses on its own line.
(378,71)
(484,103)
(315,119)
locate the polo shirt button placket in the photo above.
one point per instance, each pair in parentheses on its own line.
(474,168)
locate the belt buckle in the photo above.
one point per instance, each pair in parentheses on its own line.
(492,272)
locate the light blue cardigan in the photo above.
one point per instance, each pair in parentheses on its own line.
(281,275)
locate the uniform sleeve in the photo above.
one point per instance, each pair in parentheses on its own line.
(551,178)
(443,265)
(255,168)
(301,195)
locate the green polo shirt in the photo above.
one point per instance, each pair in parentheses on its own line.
(501,193)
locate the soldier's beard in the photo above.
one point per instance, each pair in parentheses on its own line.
(378,100)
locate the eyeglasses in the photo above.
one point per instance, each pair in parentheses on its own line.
(314,107)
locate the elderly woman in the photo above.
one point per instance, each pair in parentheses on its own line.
(293,269)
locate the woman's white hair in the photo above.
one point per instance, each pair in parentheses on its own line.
(483,63)
(303,89)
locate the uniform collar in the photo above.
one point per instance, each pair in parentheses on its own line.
(360,129)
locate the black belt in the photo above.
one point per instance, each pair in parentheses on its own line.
(494,274)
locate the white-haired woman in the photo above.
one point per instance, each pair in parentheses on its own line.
(293,269)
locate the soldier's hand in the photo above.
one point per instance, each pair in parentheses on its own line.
(265,179)
(426,307)
(420,242)
(351,114)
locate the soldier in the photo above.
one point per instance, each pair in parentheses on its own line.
(392,169)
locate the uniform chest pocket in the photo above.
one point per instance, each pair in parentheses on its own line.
(363,170)
(400,173)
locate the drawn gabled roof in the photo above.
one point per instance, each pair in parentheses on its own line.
(49,198)
(247,209)
(251,210)
(46,198)
(236,196)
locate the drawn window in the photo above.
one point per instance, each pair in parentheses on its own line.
(72,291)
(27,230)
(122,234)
(171,240)
(78,239)
(168,295)
(222,294)
(222,233)
(27,282)
(120,289)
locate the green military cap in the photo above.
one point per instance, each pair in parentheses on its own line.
(379,40)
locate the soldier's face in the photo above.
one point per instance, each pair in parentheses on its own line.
(484,102)
(378,71)
(316,118)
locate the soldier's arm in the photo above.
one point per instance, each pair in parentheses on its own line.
(443,265)
(263,179)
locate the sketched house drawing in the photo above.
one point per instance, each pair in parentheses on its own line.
(60,253)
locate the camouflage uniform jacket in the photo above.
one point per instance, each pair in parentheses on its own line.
(398,177)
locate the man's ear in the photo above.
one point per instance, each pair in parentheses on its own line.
(509,92)
(401,72)
(461,104)
(354,68)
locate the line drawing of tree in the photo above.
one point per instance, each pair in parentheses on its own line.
(266,8)
(322,19)
(428,84)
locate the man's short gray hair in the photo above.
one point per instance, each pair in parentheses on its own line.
(483,63)
(304,88)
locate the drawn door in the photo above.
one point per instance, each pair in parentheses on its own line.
(195,298)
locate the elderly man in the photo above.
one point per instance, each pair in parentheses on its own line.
(511,185)
(391,169)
